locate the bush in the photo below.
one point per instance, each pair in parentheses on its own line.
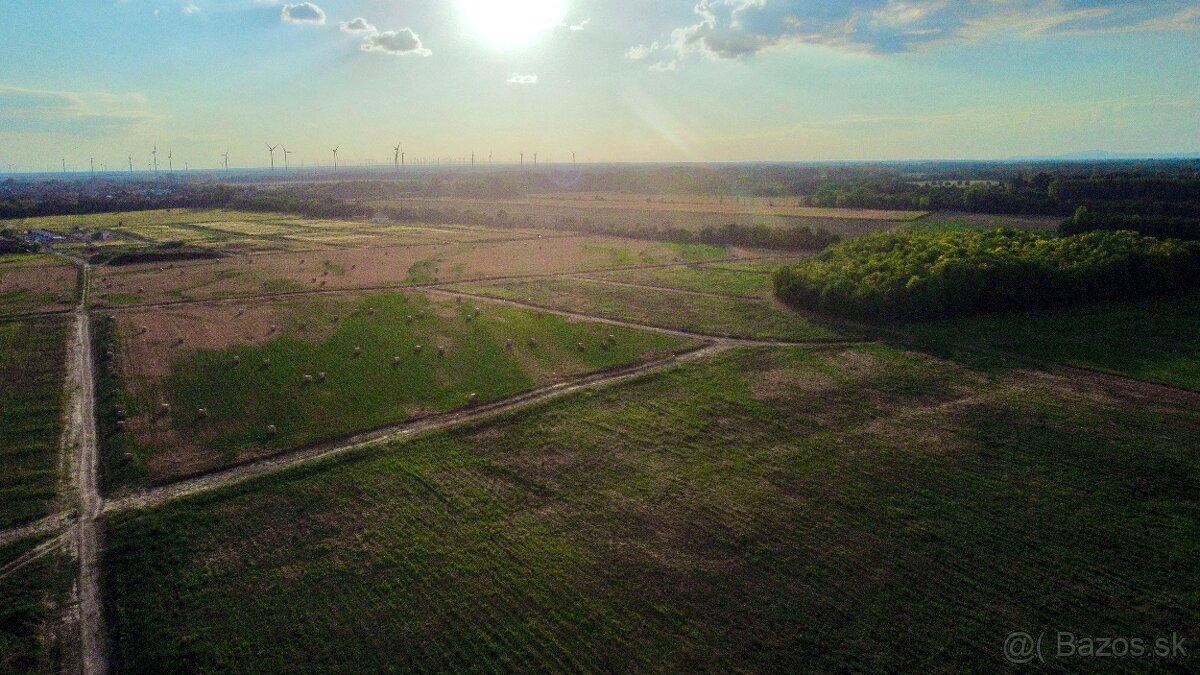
(1176,227)
(926,275)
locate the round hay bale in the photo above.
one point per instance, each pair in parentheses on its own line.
(202,413)
(441,351)
(473,399)
(120,412)
(120,425)
(266,363)
(417,349)
(371,311)
(271,430)
(358,351)
(469,317)
(612,338)
(321,376)
(409,318)
(237,360)
(477,310)
(580,347)
(274,328)
(533,343)
(308,379)
(395,360)
(165,409)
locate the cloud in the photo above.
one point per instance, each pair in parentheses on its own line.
(191,9)
(305,12)
(357,26)
(83,113)
(576,27)
(737,29)
(395,42)
(522,79)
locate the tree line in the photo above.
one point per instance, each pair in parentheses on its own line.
(933,275)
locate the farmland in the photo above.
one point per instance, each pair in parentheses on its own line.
(33,593)
(32,365)
(1156,340)
(317,369)
(712,315)
(769,510)
(36,283)
(385,444)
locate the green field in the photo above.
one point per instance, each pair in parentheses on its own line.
(1156,340)
(361,391)
(32,366)
(773,510)
(31,597)
(702,279)
(710,315)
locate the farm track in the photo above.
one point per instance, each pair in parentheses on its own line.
(400,286)
(237,474)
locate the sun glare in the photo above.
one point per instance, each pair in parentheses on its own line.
(514,22)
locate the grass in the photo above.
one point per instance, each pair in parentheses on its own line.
(30,599)
(702,279)
(32,367)
(771,511)
(1157,340)
(707,315)
(367,391)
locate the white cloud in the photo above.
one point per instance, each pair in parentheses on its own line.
(578,26)
(357,26)
(523,79)
(86,113)
(395,42)
(191,9)
(305,12)
(737,29)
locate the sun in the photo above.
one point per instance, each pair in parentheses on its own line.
(513,22)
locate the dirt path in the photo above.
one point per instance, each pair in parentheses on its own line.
(51,523)
(79,435)
(237,474)
(735,340)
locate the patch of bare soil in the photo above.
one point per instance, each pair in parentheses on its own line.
(48,287)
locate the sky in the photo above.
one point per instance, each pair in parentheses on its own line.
(611,80)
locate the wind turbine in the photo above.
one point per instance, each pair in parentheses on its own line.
(271,148)
(155,153)
(472,158)
(92,163)
(286,152)
(573,164)
(522,158)
(334,151)
(535,159)
(131,165)
(170,161)
(64,163)
(396,156)
(226,156)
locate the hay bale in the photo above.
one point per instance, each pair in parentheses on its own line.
(202,413)
(473,399)
(417,349)
(371,311)
(395,360)
(441,351)
(266,363)
(237,360)
(533,343)
(120,412)
(321,376)
(508,345)
(165,409)
(271,430)
(358,351)
(612,338)
(476,312)
(120,425)
(308,379)
(409,318)
(580,347)
(274,328)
